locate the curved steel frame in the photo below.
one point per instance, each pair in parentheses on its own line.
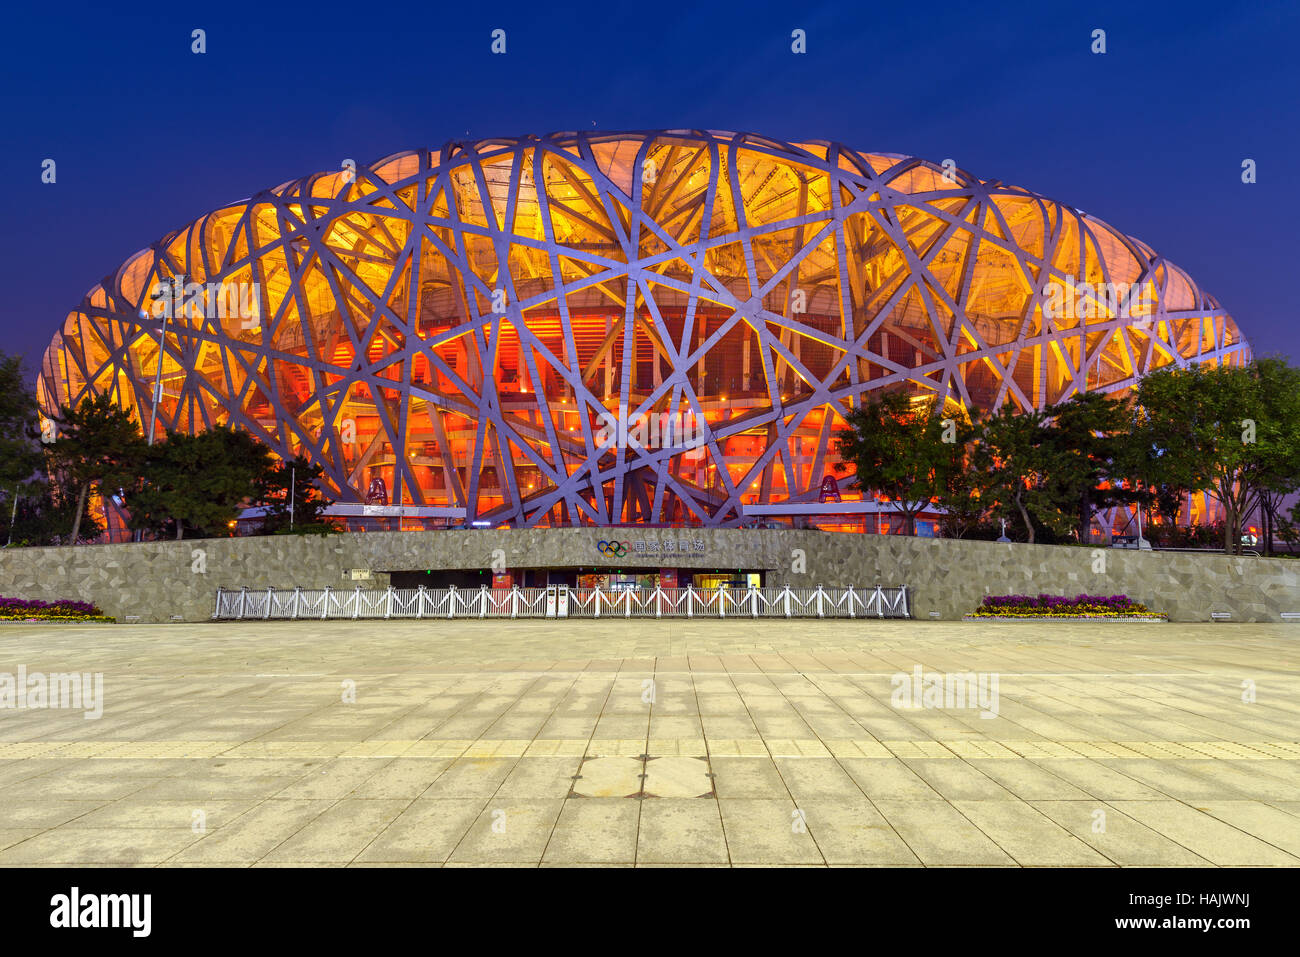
(462,323)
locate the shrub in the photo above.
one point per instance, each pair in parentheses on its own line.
(1059,606)
(63,609)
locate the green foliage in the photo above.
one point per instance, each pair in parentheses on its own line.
(900,447)
(1083,441)
(307,499)
(962,487)
(1274,471)
(21,459)
(1232,432)
(1015,457)
(198,482)
(98,446)
(45,517)
(1179,536)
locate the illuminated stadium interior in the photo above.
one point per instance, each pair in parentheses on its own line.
(750,288)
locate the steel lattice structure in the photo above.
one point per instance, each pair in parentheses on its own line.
(759,287)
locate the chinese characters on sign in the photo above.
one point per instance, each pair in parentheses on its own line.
(670,547)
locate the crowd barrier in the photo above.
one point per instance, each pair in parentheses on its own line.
(560,601)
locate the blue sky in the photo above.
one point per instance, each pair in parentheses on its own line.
(1149,137)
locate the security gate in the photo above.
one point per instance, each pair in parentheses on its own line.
(557,601)
(560,601)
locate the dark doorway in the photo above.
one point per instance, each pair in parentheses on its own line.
(442,578)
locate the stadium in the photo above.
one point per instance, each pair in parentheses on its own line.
(656,328)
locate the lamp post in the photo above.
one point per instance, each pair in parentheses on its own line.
(1141,542)
(177,293)
(13,518)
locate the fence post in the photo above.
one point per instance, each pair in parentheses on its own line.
(216,609)
(753,601)
(659,594)
(482,601)
(388,602)
(297,600)
(786,596)
(451,602)
(243,601)
(325,603)
(851,596)
(266,612)
(356,602)
(880,602)
(514,601)
(820,593)
(902,597)
(596,599)
(419,602)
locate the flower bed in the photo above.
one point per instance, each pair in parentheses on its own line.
(1059,606)
(64,609)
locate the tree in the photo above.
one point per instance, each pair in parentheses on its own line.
(21,458)
(1017,458)
(43,517)
(98,445)
(307,499)
(1162,454)
(20,433)
(199,482)
(1275,472)
(962,492)
(1082,441)
(897,445)
(1227,430)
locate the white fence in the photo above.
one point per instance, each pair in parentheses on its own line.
(559,601)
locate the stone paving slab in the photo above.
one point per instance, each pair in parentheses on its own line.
(673,743)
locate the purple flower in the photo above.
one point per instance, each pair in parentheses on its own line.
(1060,604)
(62,607)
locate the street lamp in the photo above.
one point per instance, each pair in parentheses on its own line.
(176,291)
(1141,542)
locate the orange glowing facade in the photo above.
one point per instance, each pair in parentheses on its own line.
(505,326)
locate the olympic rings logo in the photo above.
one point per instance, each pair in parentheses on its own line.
(612,549)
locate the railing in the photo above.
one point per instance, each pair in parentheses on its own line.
(559,601)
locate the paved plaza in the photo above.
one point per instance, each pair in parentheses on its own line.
(651,743)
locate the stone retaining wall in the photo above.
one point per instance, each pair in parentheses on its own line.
(162,581)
